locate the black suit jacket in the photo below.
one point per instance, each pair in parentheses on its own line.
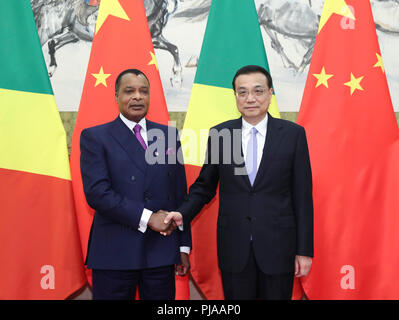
(119,183)
(277,211)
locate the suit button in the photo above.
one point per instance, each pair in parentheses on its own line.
(169,173)
(146,199)
(132,178)
(249,218)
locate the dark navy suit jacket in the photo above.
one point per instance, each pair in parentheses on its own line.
(277,211)
(119,183)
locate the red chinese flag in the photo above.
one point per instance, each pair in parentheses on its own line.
(122,41)
(354,150)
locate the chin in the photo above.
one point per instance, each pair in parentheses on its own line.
(137,116)
(252,115)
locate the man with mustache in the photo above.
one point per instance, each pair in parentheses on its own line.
(125,248)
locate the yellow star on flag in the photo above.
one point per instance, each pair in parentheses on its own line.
(109,8)
(322,78)
(379,63)
(334,6)
(153,60)
(101,77)
(354,84)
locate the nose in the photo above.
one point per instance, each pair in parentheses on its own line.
(136,95)
(251,96)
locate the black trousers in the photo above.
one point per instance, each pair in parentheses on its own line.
(153,284)
(252,283)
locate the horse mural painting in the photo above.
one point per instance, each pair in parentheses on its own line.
(292,25)
(158,13)
(62,22)
(386,15)
(285,20)
(295,20)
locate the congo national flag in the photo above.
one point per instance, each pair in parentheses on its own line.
(39,242)
(232,40)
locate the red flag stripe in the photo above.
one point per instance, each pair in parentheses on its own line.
(30,240)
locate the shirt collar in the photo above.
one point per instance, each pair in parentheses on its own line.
(130,124)
(261,127)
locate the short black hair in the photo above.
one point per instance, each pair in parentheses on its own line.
(134,71)
(253,69)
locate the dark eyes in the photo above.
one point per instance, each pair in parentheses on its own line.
(141,91)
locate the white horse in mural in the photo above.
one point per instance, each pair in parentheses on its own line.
(282,20)
(291,38)
(60,23)
(386,15)
(292,25)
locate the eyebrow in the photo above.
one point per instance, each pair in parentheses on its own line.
(142,87)
(257,86)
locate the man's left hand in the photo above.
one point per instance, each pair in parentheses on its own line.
(302,266)
(183,268)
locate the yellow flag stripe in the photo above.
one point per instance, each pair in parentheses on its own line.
(32,137)
(209,106)
(273,109)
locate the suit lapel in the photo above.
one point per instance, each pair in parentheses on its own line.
(273,138)
(129,143)
(158,151)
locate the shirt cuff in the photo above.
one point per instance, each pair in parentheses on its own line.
(145,216)
(185,250)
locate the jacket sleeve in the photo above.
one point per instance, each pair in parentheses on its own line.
(98,188)
(302,196)
(202,190)
(181,191)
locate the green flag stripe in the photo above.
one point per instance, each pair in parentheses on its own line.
(231,24)
(21,59)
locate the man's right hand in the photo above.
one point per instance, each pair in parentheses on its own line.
(158,224)
(175,217)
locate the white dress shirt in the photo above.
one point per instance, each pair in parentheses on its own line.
(145,216)
(261,127)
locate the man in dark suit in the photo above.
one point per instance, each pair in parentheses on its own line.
(126,185)
(265,220)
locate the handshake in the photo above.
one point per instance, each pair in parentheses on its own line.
(165,222)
